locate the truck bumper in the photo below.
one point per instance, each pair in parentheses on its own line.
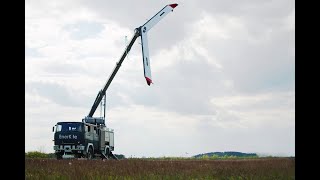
(69,148)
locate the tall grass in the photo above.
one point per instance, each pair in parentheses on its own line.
(256,168)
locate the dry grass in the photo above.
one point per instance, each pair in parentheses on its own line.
(260,168)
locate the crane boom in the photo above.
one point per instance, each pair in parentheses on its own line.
(140,31)
(102,92)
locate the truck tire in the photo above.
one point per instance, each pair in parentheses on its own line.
(90,153)
(107,152)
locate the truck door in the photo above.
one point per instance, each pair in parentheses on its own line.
(88,134)
(95,138)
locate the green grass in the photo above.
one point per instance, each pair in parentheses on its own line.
(36,154)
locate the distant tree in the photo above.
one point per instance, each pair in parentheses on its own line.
(36,154)
(227,154)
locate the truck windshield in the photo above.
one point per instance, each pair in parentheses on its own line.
(64,127)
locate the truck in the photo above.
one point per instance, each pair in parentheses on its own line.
(91,137)
(88,139)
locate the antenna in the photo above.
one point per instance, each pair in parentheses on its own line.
(101,108)
(103,105)
(104,114)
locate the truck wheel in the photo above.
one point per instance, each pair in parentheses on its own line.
(107,152)
(90,154)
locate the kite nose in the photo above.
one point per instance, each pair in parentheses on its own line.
(173,5)
(149,81)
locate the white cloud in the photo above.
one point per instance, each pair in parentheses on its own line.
(223,74)
(265,109)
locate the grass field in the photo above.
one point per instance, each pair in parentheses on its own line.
(259,168)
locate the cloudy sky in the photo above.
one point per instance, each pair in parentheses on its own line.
(223,73)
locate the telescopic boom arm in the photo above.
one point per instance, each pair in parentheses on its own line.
(140,31)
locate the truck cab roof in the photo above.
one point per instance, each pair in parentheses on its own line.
(67,122)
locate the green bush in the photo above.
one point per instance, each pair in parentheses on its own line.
(36,154)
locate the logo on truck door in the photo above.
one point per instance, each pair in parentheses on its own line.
(67,136)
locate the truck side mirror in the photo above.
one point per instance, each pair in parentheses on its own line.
(53,129)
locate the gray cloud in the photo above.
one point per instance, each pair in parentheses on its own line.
(132,14)
(83,30)
(67,97)
(257,67)
(67,69)
(56,93)
(185,87)
(224,69)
